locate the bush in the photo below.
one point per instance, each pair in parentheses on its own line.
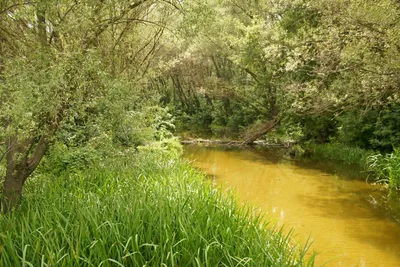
(377,129)
(62,158)
(317,129)
(170,148)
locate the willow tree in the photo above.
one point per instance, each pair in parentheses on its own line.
(356,56)
(292,58)
(65,60)
(239,52)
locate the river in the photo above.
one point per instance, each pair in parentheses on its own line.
(339,214)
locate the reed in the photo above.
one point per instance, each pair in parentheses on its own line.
(142,211)
(340,153)
(386,168)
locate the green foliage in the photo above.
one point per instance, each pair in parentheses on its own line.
(197,123)
(373,129)
(386,168)
(145,210)
(297,150)
(335,74)
(292,130)
(386,133)
(297,17)
(73,71)
(169,148)
(318,129)
(339,152)
(69,159)
(357,129)
(230,117)
(140,126)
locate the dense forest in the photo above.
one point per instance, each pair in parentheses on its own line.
(304,72)
(93,95)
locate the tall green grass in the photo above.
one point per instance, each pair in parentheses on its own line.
(386,168)
(340,153)
(142,211)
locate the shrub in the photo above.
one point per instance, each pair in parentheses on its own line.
(61,158)
(171,148)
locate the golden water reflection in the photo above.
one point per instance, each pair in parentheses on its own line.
(337,213)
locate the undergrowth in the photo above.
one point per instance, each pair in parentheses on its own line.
(340,153)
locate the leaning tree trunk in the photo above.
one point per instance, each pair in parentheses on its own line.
(20,164)
(267,127)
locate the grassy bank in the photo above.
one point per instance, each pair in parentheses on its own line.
(339,153)
(145,210)
(386,168)
(383,168)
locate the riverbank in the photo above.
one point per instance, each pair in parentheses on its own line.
(141,210)
(378,167)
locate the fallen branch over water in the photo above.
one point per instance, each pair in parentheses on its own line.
(231,143)
(267,127)
(214,142)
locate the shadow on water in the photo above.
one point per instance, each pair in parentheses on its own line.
(344,170)
(275,155)
(378,198)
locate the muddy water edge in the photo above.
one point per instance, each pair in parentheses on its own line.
(342,214)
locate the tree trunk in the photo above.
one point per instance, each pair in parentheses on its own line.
(12,188)
(20,164)
(12,191)
(267,127)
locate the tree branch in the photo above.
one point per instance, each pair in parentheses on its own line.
(112,21)
(36,156)
(14,6)
(381,73)
(179,8)
(243,10)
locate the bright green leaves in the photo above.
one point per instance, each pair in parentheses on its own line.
(77,71)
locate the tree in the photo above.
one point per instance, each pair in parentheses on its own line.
(240,52)
(64,61)
(290,59)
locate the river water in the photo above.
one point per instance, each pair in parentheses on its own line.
(339,214)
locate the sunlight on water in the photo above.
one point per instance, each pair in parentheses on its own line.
(337,213)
